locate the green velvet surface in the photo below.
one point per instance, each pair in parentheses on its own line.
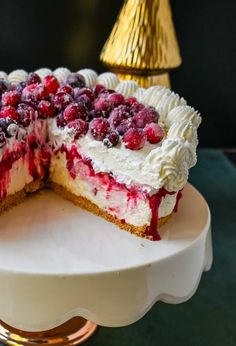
(209,317)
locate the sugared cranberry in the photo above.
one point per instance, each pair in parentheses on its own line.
(20,86)
(98,89)
(97,114)
(84,91)
(115,99)
(61,100)
(3,86)
(26,114)
(66,89)
(85,101)
(10,112)
(41,92)
(61,122)
(75,111)
(99,127)
(146,116)
(2,139)
(10,98)
(33,78)
(75,80)
(130,101)
(134,139)
(111,139)
(27,92)
(45,109)
(118,115)
(51,83)
(135,108)
(124,126)
(101,105)
(78,127)
(154,133)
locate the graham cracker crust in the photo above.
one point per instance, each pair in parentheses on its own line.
(20,196)
(86,204)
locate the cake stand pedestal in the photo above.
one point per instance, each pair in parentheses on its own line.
(58,262)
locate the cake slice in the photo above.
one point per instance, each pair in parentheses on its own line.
(111,147)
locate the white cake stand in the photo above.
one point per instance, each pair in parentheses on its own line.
(58,262)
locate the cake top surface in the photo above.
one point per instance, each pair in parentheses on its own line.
(141,135)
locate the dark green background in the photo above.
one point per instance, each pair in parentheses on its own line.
(71,33)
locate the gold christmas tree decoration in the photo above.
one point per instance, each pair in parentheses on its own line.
(143,45)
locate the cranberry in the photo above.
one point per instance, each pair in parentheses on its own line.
(78,127)
(118,115)
(33,78)
(2,139)
(146,116)
(41,92)
(97,114)
(85,101)
(3,86)
(61,100)
(136,107)
(134,139)
(27,93)
(75,80)
(66,89)
(99,127)
(20,86)
(101,105)
(61,122)
(124,126)
(98,89)
(83,91)
(10,112)
(111,139)
(75,111)
(26,114)
(45,109)
(130,101)
(115,99)
(51,83)
(10,98)
(154,133)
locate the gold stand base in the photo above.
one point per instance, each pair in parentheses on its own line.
(73,332)
(147,81)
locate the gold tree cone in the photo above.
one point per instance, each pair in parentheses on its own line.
(143,40)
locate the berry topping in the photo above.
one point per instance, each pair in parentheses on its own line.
(26,114)
(66,89)
(61,100)
(134,139)
(101,105)
(20,86)
(78,128)
(10,112)
(115,99)
(98,89)
(51,83)
(40,92)
(61,122)
(124,126)
(130,101)
(75,111)
(2,139)
(84,91)
(10,98)
(75,80)
(111,139)
(99,127)
(85,100)
(154,133)
(118,115)
(3,86)
(146,116)
(45,109)
(136,107)
(97,114)
(33,78)
(27,93)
